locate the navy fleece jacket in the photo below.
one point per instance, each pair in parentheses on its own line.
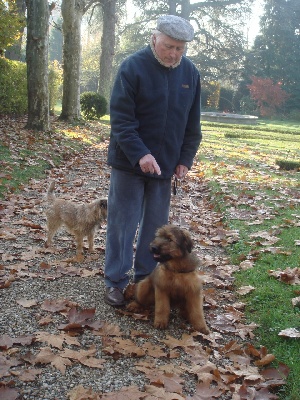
(156,110)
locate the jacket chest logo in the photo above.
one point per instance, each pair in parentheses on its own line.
(185,86)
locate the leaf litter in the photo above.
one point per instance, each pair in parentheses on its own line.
(87,350)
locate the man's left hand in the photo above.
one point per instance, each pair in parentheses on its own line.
(181,171)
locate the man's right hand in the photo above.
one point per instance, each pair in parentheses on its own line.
(148,164)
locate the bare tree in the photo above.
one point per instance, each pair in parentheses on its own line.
(38,12)
(72,13)
(107,47)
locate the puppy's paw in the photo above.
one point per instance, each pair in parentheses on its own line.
(160,324)
(202,329)
(129,291)
(77,259)
(134,307)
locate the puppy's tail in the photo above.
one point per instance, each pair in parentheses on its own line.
(50,192)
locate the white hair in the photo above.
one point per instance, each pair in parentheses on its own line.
(156,32)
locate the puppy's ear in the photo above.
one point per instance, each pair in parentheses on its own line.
(187,243)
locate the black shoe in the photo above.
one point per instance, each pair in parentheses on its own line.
(114,297)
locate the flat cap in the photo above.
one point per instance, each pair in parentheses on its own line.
(176,27)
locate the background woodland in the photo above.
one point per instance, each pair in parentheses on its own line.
(54,52)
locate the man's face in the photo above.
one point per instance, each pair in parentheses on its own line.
(168,50)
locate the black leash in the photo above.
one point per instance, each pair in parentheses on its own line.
(176,186)
(177,190)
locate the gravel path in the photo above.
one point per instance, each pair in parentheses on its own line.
(41,359)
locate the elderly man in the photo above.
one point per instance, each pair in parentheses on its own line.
(155,134)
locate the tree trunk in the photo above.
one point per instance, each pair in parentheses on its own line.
(185,9)
(172,7)
(107,47)
(37,64)
(14,52)
(72,13)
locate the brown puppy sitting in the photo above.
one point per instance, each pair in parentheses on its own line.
(174,281)
(79,219)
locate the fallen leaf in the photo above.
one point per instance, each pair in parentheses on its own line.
(80,393)
(26,303)
(7,393)
(243,290)
(79,319)
(244,265)
(289,275)
(296,301)
(290,332)
(265,360)
(204,391)
(57,305)
(56,341)
(46,356)
(29,375)
(161,394)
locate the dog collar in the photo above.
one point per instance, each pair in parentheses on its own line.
(180,271)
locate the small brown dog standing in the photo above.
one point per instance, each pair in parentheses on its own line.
(79,219)
(174,281)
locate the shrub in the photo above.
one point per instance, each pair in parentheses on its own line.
(226,99)
(204,97)
(214,96)
(13,87)
(248,106)
(210,95)
(288,165)
(269,96)
(294,115)
(93,105)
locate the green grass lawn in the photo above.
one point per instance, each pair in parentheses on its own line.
(262,202)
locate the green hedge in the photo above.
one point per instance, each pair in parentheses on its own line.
(93,105)
(13,87)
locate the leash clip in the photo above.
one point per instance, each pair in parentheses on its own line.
(176,186)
